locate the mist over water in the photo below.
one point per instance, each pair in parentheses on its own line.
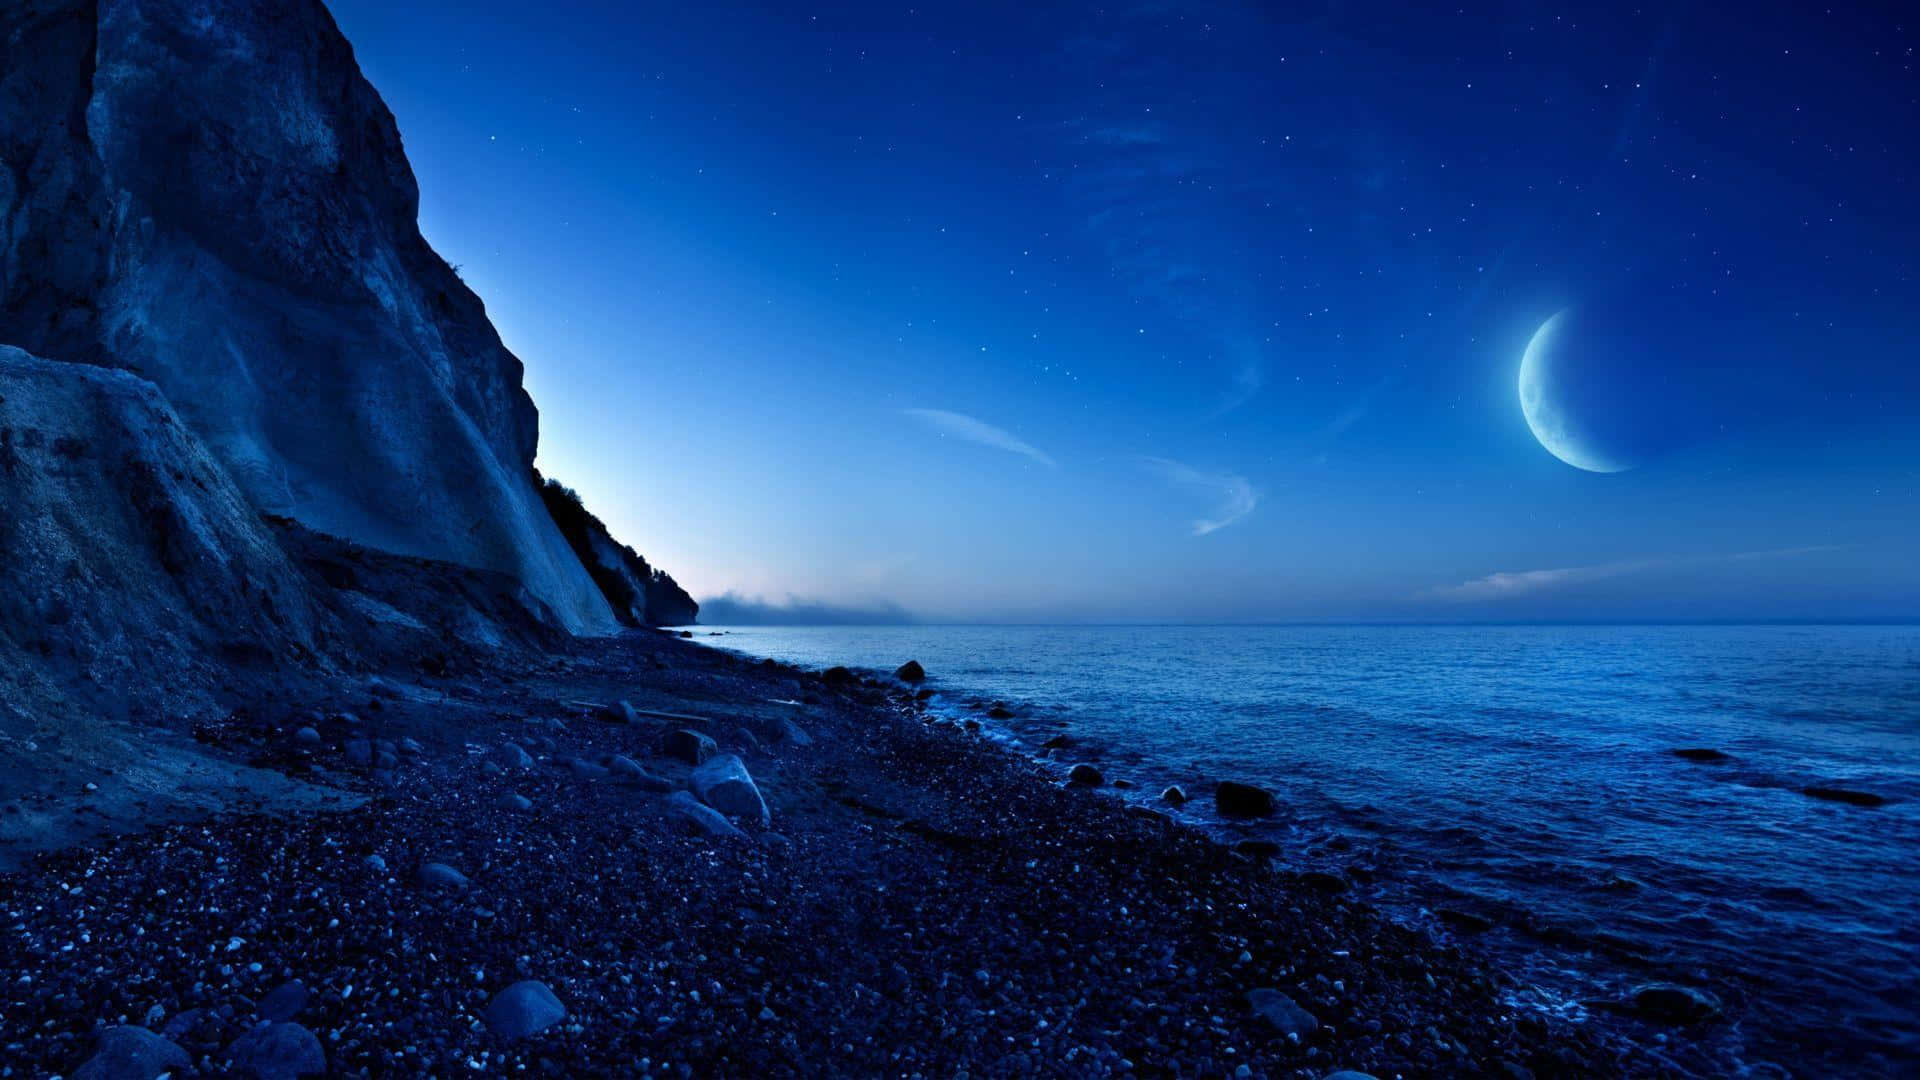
(1526,775)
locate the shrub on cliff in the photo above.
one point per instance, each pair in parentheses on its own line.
(639,594)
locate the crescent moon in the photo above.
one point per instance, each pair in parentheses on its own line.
(1546,414)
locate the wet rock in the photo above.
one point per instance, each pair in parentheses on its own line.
(689,746)
(523,1009)
(1700,754)
(284,1002)
(1674,1004)
(999,712)
(307,736)
(132,1053)
(1060,742)
(1281,1013)
(838,676)
(701,818)
(278,1052)
(630,772)
(1845,795)
(441,876)
(1123,785)
(911,671)
(1464,920)
(1235,799)
(1258,848)
(1086,776)
(1175,795)
(513,757)
(723,783)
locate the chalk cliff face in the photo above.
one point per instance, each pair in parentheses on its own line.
(208,193)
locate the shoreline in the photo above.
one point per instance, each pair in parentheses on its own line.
(922,901)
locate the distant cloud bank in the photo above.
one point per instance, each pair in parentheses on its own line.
(1237,497)
(962,426)
(1507,584)
(731,609)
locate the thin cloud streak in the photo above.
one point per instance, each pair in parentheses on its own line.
(1507,584)
(962,426)
(1238,497)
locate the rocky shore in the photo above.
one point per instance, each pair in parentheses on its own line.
(638,857)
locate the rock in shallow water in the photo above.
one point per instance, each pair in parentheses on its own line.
(1281,1013)
(1175,795)
(132,1053)
(1085,775)
(524,1009)
(1675,1004)
(1235,799)
(724,784)
(911,671)
(1845,795)
(278,1052)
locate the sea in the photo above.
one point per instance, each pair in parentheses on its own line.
(1519,787)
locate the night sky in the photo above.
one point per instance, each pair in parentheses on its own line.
(1200,311)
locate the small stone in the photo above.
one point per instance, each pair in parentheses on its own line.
(620,712)
(583,769)
(278,1052)
(1086,776)
(517,802)
(911,671)
(1174,794)
(307,736)
(411,745)
(132,1053)
(513,757)
(1281,1013)
(376,862)
(441,876)
(1348,1074)
(794,735)
(523,1009)
(630,772)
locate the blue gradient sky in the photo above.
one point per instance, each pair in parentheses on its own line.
(1191,311)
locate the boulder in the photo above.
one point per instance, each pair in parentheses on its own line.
(794,735)
(838,676)
(724,784)
(911,671)
(523,1009)
(1674,1004)
(513,757)
(620,712)
(132,1053)
(1174,794)
(307,736)
(701,818)
(1235,799)
(1281,1013)
(277,1052)
(284,1002)
(1085,775)
(1062,741)
(441,876)
(689,746)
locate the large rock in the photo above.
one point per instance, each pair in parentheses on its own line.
(523,1009)
(132,1053)
(1086,776)
(723,783)
(278,1052)
(209,193)
(701,818)
(911,671)
(1235,799)
(689,746)
(630,772)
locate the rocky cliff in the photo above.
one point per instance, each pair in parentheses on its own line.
(208,194)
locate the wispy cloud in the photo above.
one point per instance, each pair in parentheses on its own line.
(1237,496)
(1508,584)
(962,426)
